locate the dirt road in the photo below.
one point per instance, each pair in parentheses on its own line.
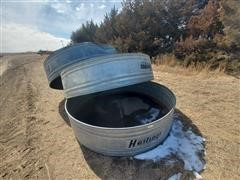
(37,143)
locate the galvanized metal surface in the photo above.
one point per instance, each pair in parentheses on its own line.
(105,73)
(67,56)
(124,141)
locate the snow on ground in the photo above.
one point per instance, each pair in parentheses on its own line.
(184,144)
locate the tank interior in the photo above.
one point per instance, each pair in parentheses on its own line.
(123,107)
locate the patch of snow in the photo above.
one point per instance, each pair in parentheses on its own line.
(197,176)
(148,117)
(182,26)
(176,177)
(184,144)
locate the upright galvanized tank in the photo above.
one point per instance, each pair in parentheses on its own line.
(127,141)
(64,57)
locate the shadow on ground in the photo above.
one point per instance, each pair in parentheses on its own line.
(106,167)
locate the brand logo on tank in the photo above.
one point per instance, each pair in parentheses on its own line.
(145,65)
(140,142)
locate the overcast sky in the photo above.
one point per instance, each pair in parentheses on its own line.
(46,24)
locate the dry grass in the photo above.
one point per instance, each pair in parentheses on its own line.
(212,101)
(170,62)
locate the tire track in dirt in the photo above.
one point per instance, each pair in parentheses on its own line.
(19,137)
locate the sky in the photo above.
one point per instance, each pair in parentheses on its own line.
(31,25)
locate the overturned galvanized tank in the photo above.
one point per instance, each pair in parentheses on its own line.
(105,73)
(64,57)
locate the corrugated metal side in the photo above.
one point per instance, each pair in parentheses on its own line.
(125,141)
(67,56)
(105,73)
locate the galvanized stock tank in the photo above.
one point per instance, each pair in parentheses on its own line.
(90,76)
(127,141)
(105,73)
(69,55)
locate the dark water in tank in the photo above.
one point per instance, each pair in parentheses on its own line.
(120,110)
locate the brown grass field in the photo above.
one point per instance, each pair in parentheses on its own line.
(37,144)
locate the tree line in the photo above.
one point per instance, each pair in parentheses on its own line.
(190,29)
